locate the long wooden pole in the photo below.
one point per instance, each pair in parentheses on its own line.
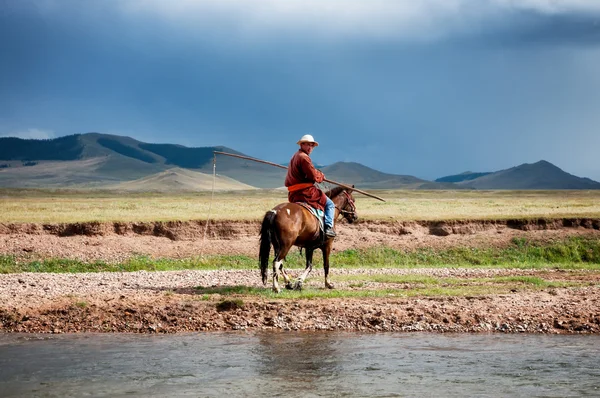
(283,167)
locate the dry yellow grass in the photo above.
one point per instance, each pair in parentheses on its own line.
(43,206)
(459,205)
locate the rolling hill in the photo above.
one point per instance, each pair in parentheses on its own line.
(539,175)
(365,177)
(178,179)
(102,160)
(95,160)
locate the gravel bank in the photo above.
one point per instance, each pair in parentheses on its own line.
(167,302)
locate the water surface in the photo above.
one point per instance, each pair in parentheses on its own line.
(305,364)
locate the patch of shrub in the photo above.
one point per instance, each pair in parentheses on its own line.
(230,305)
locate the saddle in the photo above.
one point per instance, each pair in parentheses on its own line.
(319,214)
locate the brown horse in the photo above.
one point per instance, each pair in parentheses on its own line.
(291,224)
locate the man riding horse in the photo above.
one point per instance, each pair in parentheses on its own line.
(300,182)
(293,224)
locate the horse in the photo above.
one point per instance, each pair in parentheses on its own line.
(291,224)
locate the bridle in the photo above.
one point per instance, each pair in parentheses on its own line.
(352,206)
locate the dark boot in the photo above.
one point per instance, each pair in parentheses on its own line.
(329,232)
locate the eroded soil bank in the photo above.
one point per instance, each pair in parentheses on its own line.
(160,302)
(182,230)
(184,239)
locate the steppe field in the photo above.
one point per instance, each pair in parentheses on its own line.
(439,261)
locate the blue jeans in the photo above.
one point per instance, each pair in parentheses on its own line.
(329,213)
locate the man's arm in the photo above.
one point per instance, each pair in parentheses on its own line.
(309,170)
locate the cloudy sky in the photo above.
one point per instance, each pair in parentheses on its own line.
(425,88)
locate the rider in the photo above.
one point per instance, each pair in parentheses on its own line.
(300,180)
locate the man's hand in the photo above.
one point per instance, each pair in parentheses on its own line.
(320,176)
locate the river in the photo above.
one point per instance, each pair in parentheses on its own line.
(304,364)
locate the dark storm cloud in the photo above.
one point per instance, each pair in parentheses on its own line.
(536,29)
(422,88)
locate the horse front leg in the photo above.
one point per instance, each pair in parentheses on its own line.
(301,278)
(326,252)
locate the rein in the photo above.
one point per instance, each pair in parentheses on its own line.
(352,205)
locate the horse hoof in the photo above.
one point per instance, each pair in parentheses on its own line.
(289,286)
(298,285)
(330,286)
(276,289)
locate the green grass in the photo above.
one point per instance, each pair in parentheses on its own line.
(433,288)
(228,305)
(425,281)
(307,293)
(397,279)
(526,280)
(571,253)
(10,264)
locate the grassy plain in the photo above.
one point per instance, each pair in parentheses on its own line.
(63,206)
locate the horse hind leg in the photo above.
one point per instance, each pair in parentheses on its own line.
(277,263)
(300,281)
(286,278)
(278,268)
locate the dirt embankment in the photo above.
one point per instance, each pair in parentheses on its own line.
(146,302)
(182,230)
(183,239)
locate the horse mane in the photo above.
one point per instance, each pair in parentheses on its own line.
(332,193)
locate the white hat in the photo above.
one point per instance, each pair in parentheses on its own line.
(307,138)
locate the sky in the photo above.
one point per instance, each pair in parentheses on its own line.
(426,88)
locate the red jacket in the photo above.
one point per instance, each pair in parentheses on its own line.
(300,180)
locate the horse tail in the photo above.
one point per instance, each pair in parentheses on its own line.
(265,243)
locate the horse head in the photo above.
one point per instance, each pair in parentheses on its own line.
(344,203)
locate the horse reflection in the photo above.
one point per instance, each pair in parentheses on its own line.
(299,357)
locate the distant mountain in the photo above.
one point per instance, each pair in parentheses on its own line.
(466,176)
(111,161)
(540,175)
(365,177)
(97,160)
